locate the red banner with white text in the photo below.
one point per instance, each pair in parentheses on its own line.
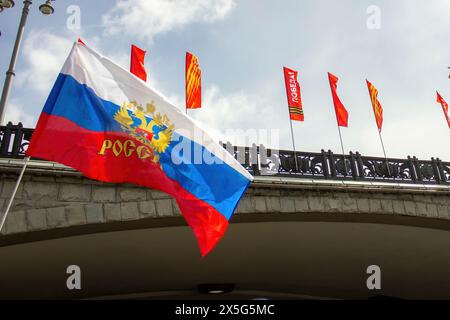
(293,95)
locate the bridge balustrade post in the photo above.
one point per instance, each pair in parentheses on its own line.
(240,154)
(353,166)
(332,164)
(360,164)
(6,139)
(247,151)
(441,170)
(412,169)
(326,171)
(18,135)
(436,173)
(417,168)
(229,147)
(253,159)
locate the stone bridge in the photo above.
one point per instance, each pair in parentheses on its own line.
(289,238)
(52,197)
(309,226)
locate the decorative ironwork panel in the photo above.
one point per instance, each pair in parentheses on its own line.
(398,170)
(288,163)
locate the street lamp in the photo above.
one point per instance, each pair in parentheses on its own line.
(46,9)
(7,4)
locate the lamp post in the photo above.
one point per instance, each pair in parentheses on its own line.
(45,9)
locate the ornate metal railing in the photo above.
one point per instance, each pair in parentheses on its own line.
(14,140)
(260,161)
(327,165)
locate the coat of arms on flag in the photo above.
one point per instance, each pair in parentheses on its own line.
(150,128)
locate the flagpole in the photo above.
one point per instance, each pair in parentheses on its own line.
(14,192)
(384,152)
(293,144)
(333,86)
(343,152)
(369,86)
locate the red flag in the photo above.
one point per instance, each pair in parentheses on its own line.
(341,112)
(293,95)
(444,107)
(193,82)
(376,105)
(137,63)
(81,41)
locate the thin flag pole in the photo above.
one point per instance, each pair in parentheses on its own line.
(25,163)
(384,152)
(338,105)
(343,152)
(293,144)
(374,101)
(294,102)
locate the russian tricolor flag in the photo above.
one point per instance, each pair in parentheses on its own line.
(110,125)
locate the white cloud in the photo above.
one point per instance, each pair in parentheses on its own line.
(44,54)
(15,113)
(121,58)
(238,117)
(147,18)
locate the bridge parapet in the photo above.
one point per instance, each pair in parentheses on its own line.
(260,161)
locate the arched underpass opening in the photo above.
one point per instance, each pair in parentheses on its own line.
(271,259)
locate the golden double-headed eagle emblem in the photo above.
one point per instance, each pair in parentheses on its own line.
(147,126)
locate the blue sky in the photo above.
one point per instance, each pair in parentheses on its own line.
(242,47)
